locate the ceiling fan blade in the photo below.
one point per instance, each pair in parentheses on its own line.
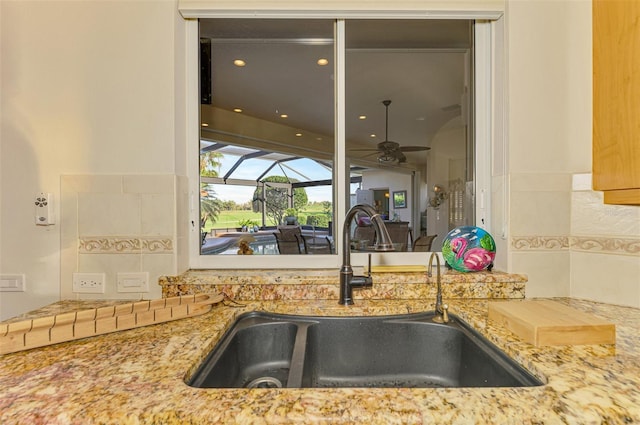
(388,150)
(413,148)
(389,147)
(364,150)
(371,154)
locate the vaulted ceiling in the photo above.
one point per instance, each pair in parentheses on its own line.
(422,66)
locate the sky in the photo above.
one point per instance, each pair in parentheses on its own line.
(242,194)
(307,170)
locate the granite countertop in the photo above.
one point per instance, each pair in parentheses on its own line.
(137,377)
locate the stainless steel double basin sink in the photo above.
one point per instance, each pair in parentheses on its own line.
(266,350)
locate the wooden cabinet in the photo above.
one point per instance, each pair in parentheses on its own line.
(616,100)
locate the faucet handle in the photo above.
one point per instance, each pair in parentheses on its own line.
(445,313)
(441,313)
(362,281)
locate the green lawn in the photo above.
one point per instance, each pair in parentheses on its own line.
(231,219)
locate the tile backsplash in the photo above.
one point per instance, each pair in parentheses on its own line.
(562,236)
(605,248)
(569,243)
(113,224)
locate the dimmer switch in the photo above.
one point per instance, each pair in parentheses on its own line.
(44,209)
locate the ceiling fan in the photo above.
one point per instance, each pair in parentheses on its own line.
(389,151)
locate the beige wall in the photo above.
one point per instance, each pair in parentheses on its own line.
(87,88)
(549,74)
(561,234)
(379,179)
(97,88)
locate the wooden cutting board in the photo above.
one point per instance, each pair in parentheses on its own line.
(544,322)
(33,333)
(398,269)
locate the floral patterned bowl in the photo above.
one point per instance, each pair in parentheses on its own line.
(469,249)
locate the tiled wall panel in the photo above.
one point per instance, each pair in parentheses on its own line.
(114,224)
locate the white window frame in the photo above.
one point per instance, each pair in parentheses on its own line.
(486,102)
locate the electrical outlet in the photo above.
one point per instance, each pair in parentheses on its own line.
(88,283)
(133,282)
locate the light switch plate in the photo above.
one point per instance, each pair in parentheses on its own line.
(133,282)
(12,283)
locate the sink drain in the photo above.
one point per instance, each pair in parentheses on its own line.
(265,382)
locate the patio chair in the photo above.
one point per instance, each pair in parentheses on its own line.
(290,240)
(365,233)
(423,243)
(318,245)
(400,234)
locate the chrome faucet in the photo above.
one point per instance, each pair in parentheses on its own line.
(441,309)
(347,280)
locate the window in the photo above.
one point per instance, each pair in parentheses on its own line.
(240,136)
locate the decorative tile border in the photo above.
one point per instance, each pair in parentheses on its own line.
(607,245)
(619,246)
(124,245)
(546,243)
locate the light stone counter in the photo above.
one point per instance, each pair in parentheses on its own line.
(323,284)
(137,377)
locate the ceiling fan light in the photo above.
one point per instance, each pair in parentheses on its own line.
(387,158)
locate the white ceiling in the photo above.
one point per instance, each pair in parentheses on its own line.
(420,65)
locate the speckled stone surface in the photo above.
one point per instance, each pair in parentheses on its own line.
(137,377)
(323,284)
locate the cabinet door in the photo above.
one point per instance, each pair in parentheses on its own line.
(616,100)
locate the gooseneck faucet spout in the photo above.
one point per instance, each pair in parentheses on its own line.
(441,309)
(347,280)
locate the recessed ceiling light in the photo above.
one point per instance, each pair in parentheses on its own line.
(239,62)
(372,135)
(362,117)
(298,134)
(284,116)
(204,124)
(420,119)
(323,62)
(238,110)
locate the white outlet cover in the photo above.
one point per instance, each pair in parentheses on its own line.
(12,283)
(88,283)
(133,282)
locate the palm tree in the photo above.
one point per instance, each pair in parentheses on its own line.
(210,163)
(210,205)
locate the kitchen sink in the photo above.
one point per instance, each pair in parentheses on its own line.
(266,350)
